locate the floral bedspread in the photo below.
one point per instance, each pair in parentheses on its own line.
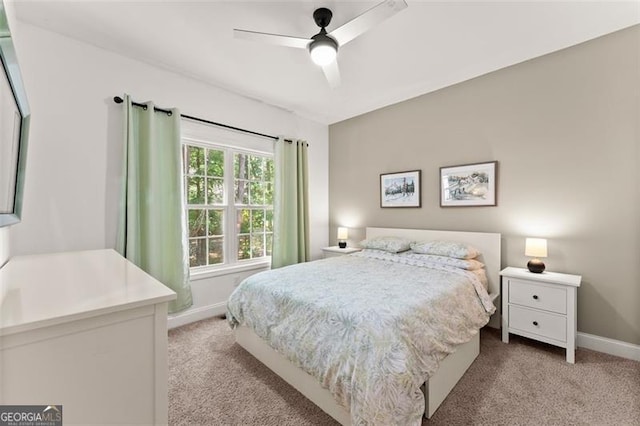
(371,326)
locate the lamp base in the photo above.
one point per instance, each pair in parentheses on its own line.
(342,244)
(536,266)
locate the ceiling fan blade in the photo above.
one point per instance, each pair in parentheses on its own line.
(367,20)
(332,72)
(276,39)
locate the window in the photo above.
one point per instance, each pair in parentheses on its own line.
(229,203)
(253,189)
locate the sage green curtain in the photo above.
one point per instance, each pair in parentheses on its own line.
(152,227)
(291,204)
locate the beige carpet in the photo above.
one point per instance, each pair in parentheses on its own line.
(213,381)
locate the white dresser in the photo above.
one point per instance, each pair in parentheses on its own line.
(87,330)
(541,307)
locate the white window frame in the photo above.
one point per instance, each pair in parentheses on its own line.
(230,142)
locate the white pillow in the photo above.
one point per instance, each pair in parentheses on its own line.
(467,264)
(390,244)
(445,248)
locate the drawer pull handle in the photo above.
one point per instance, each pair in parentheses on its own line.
(535,296)
(535,323)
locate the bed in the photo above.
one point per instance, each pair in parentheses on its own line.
(340,385)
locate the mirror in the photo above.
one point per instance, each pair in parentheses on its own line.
(14,128)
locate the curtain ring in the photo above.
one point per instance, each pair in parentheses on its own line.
(144,107)
(169,113)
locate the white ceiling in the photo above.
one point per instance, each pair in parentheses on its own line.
(423,48)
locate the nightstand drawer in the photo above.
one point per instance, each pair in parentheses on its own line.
(540,323)
(538,296)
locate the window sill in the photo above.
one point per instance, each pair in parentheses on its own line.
(227,270)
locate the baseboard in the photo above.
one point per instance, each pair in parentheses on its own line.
(609,346)
(196,314)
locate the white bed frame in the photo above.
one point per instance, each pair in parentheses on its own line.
(451,369)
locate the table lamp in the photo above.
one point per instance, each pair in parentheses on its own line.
(343,234)
(535,247)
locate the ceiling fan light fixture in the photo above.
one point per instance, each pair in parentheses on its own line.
(323,55)
(323,49)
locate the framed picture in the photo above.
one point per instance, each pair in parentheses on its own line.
(400,189)
(468,185)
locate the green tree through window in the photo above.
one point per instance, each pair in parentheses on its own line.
(253,186)
(223,183)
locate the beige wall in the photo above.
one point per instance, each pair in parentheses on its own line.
(565,131)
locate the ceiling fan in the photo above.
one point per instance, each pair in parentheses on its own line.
(323,46)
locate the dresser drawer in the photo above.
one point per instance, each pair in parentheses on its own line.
(538,296)
(540,323)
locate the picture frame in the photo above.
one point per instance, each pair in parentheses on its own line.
(401,189)
(469,185)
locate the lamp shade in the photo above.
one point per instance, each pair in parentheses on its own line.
(343,233)
(535,247)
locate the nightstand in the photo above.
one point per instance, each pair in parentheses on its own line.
(334,251)
(541,307)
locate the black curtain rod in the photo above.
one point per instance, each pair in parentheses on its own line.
(119,100)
